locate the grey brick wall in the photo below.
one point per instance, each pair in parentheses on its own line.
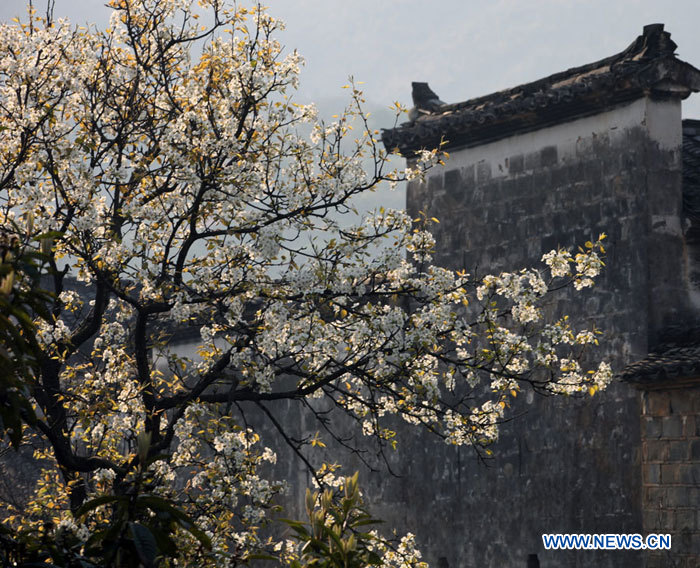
(671,473)
(563,466)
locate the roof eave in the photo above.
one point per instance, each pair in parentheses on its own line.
(459,126)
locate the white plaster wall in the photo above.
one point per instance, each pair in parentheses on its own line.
(662,119)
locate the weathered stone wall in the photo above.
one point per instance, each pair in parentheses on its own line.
(671,473)
(565,466)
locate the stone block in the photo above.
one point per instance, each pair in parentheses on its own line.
(657,450)
(653,520)
(548,156)
(532,161)
(655,497)
(435,182)
(453,180)
(672,426)
(516,164)
(657,404)
(657,560)
(661,521)
(681,403)
(682,496)
(652,427)
(483,171)
(689,474)
(685,519)
(668,521)
(652,473)
(695,543)
(670,474)
(678,450)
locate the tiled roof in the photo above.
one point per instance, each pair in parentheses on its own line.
(676,359)
(647,65)
(673,365)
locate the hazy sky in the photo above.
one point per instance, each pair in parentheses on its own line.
(464,48)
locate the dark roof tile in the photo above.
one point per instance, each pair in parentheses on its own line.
(676,359)
(647,65)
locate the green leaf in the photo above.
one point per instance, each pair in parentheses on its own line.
(144,543)
(97,502)
(261,557)
(156,504)
(166,545)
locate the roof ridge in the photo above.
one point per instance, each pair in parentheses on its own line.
(654,40)
(649,63)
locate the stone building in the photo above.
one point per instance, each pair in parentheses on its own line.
(597,148)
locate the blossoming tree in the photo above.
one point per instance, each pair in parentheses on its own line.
(172,192)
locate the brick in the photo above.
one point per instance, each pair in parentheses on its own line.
(657,450)
(681,496)
(483,171)
(651,427)
(695,543)
(670,474)
(655,497)
(689,474)
(435,182)
(532,161)
(652,473)
(453,180)
(548,156)
(658,404)
(681,403)
(516,164)
(672,426)
(678,450)
(668,521)
(685,519)
(658,520)
(656,560)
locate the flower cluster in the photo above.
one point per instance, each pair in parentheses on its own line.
(205,272)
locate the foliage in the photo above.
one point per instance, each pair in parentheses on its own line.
(182,192)
(21,299)
(337,534)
